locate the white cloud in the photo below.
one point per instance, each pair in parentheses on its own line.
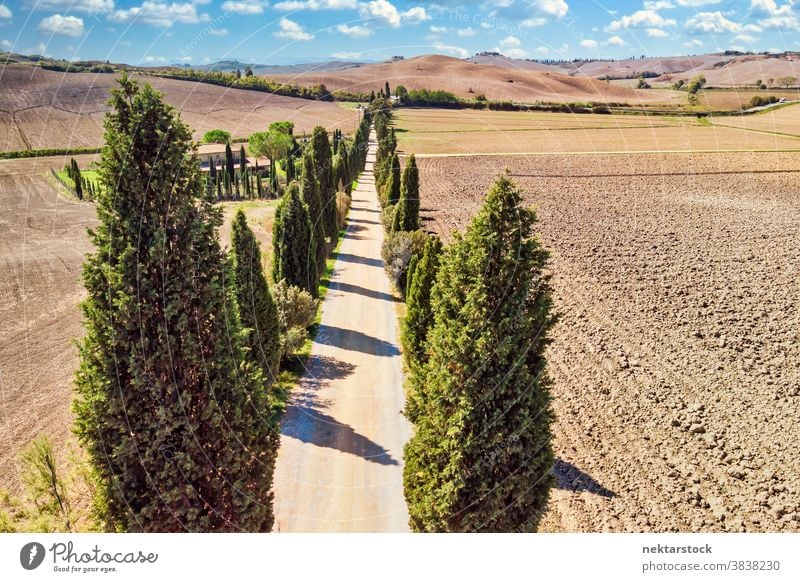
(658,5)
(745,38)
(160,14)
(244,6)
(657,33)
(381,10)
(773,16)
(354,31)
(641,19)
(588,43)
(218,32)
(616,40)
(6,44)
(711,23)
(94,6)
(346,55)
(469,31)
(316,5)
(414,15)
(694,43)
(291,30)
(449,49)
(152,59)
(5,13)
(510,41)
(543,50)
(533,22)
(438,29)
(557,8)
(696,3)
(63,25)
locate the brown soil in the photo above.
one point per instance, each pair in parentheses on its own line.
(459,77)
(44,109)
(675,361)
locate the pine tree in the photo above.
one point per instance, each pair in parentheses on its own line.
(294,245)
(175,420)
(481,455)
(323,169)
(257,311)
(309,190)
(406,215)
(419,316)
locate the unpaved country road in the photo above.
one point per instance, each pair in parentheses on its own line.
(340,464)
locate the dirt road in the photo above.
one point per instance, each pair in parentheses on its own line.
(340,465)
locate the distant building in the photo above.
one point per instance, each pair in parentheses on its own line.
(215,152)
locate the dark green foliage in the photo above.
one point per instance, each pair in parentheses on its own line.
(419,315)
(406,215)
(284,127)
(309,191)
(294,244)
(391,190)
(480,458)
(175,420)
(257,311)
(323,170)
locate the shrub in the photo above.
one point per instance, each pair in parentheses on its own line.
(397,251)
(217,136)
(297,311)
(342,209)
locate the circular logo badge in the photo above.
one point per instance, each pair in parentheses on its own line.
(31,555)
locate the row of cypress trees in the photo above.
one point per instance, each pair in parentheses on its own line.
(176,406)
(84,188)
(230,183)
(478,313)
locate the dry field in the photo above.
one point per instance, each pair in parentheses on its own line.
(440,131)
(47,109)
(676,359)
(43,242)
(781,121)
(468,80)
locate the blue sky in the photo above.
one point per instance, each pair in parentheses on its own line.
(201,31)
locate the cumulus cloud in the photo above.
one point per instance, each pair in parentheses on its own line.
(6,44)
(641,19)
(469,31)
(657,33)
(160,14)
(387,13)
(588,43)
(5,13)
(63,25)
(616,40)
(244,6)
(557,8)
(354,31)
(510,41)
(711,23)
(449,49)
(346,55)
(291,30)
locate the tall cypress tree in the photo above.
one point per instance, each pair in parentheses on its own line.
(393,183)
(323,168)
(406,215)
(309,190)
(229,169)
(419,315)
(257,311)
(480,457)
(294,243)
(174,418)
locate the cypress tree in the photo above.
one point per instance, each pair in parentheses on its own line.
(243,171)
(257,310)
(229,159)
(387,91)
(419,316)
(392,187)
(309,190)
(175,420)
(294,245)
(323,168)
(406,215)
(481,455)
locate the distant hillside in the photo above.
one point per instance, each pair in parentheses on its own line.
(262,69)
(469,80)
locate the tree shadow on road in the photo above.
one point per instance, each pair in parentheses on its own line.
(358,290)
(361,221)
(364,209)
(355,341)
(306,420)
(361,260)
(570,478)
